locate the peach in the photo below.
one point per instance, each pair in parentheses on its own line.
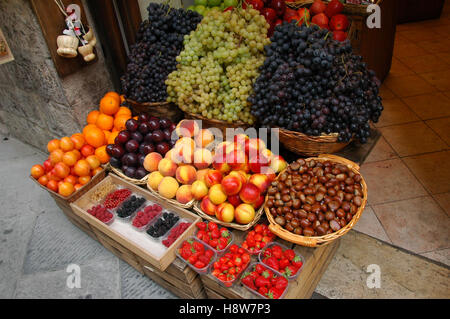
(257,162)
(168,187)
(269,172)
(151,161)
(201,174)
(184,150)
(254,146)
(236,159)
(234,200)
(241,139)
(170,155)
(231,185)
(219,163)
(261,181)
(204,138)
(278,164)
(259,202)
(184,194)
(202,158)
(199,189)
(207,206)
(187,128)
(186,174)
(249,193)
(224,147)
(154,179)
(213,177)
(244,214)
(225,212)
(241,174)
(167,168)
(217,194)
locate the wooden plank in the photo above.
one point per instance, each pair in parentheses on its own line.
(130,15)
(52,24)
(212,294)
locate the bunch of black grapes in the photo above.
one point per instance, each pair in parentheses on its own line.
(152,58)
(313,84)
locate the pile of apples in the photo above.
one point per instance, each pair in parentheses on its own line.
(229,178)
(74,160)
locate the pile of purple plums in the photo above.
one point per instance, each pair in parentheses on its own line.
(145,135)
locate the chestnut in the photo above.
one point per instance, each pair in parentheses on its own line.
(298,231)
(280,221)
(308,231)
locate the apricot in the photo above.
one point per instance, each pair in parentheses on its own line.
(217,194)
(186,174)
(167,168)
(154,179)
(204,138)
(168,187)
(151,161)
(202,158)
(187,128)
(184,194)
(199,189)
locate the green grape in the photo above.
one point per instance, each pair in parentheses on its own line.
(219,64)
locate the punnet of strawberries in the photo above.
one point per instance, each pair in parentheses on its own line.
(195,253)
(213,235)
(228,267)
(258,238)
(264,281)
(284,261)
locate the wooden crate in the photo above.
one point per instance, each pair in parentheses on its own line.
(315,263)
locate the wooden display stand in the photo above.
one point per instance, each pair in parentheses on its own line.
(316,261)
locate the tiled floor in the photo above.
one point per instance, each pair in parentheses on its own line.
(407,173)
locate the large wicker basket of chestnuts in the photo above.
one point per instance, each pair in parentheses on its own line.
(316,200)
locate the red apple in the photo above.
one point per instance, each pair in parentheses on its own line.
(249,193)
(269,14)
(339,22)
(321,20)
(207,206)
(340,36)
(318,7)
(244,214)
(231,185)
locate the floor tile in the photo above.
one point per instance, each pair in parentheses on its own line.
(408,49)
(429,106)
(433,47)
(444,201)
(381,152)
(408,85)
(389,181)
(422,34)
(440,80)
(424,63)
(386,93)
(432,170)
(441,127)
(398,68)
(396,112)
(418,224)
(445,56)
(412,139)
(369,224)
(442,256)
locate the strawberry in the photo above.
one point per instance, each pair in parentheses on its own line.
(237,261)
(297,262)
(234,248)
(263,290)
(223,242)
(274,293)
(259,268)
(259,228)
(215,234)
(212,226)
(201,225)
(192,259)
(284,262)
(225,233)
(199,264)
(272,262)
(245,258)
(277,252)
(214,243)
(248,280)
(204,259)
(267,253)
(289,254)
(290,270)
(198,247)
(281,283)
(261,281)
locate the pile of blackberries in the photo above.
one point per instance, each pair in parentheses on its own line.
(130,206)
(162,225)
(313,84)
(159,41)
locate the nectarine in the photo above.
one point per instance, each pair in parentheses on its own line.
(186,174)
(199,189)
(184,194)
(225,212)
(244,214)
(207,206)
(217,194)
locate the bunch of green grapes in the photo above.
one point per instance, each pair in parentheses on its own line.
(219,64)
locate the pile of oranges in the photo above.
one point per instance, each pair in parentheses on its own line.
(74,160)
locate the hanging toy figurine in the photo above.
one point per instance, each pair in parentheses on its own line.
(75,34)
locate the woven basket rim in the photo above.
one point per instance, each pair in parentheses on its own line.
(258,214)
(172,201)
(315,241)
(142,181)
(201,117)
(133,102)
(324,138)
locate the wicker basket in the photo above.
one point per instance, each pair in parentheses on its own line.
(134,181)
(222,125)
(172,201)
(352,9)
(199,211)
(158,109)
(318,241)
(305,145)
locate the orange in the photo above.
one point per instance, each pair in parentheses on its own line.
(102,155)
(61,170)
(123,110)
(92,117)
(52,185)
(66,189)
(114,95)
(112,137)
(109,105)
(43,180)
(95,137)
(71,179)
(78,186)
(96,171)
(70,158)
(119,122)
(37,171)
(105,122)
(82,168)
(78,140)
(122,99)
(77,154)
(87,150)
(87,128)
(66,144)
(52,176)
(84,180)
(56,156)
(53,145)
(93,161)
(107,134)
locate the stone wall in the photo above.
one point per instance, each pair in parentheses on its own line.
(37,105)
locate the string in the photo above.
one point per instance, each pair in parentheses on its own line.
(61,7)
